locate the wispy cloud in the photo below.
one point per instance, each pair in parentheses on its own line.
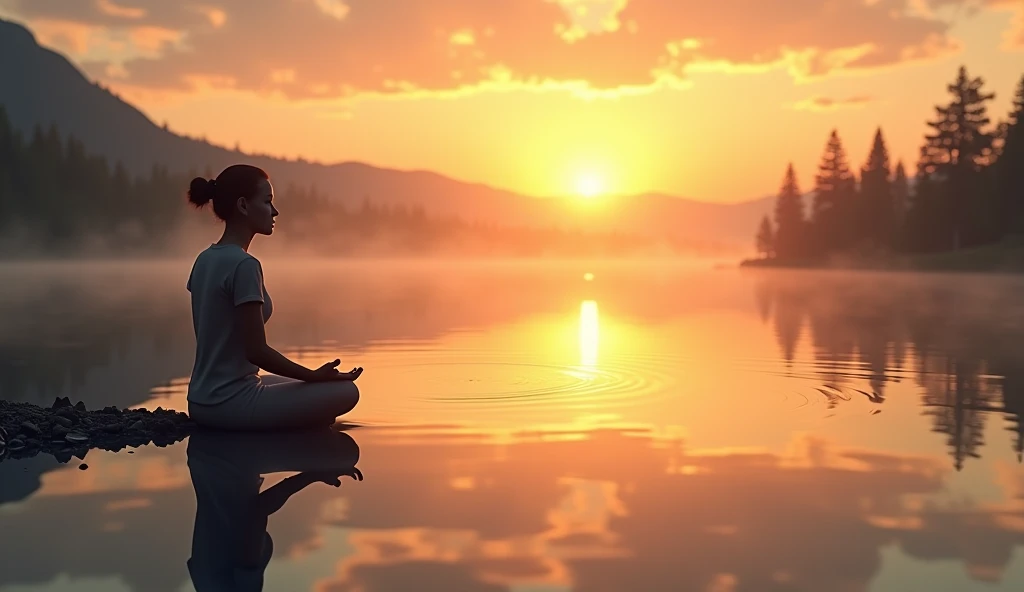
(820,103)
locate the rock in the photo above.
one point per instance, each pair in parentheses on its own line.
(80,406)
(69,414)
(64,421)
(138,425)
(27,427)
(16,444)
(61,402)
(113,428)
(83,466)
(76,438)
(59,432)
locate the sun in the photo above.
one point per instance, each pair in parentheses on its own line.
(589,185)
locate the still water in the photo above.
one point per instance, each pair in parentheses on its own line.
(540,428)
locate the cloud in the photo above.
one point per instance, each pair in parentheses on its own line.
(333,8)
(342,48)
(820,103)
(1014,36)
(115,10)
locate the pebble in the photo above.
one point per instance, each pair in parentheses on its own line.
(59,431)
(83,466)
(30,428)
(64,421)
(138,425)
(76,438)
(67,413)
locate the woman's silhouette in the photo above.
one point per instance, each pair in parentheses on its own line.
(230,543)
(230,305)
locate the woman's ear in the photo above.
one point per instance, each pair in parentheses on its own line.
(242,205)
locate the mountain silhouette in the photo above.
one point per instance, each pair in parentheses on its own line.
(42,88)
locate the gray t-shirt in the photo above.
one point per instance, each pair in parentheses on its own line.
(223,277)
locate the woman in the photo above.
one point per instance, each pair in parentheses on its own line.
(230,305)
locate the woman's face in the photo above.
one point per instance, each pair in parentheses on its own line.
(259,209)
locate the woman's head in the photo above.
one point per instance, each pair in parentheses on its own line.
(241,193)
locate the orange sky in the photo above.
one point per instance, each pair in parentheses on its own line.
(534,95)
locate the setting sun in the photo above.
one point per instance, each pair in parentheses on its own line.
(589,185)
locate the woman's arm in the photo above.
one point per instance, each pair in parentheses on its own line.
(257,351)
(272,499)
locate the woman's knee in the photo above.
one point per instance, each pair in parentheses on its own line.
(350,398)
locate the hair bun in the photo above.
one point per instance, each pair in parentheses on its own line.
(200,191)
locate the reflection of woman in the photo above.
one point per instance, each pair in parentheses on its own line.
(230,543)
(230,305)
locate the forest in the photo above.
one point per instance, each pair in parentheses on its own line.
(966,190)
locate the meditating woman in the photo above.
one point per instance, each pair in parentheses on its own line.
(230,305)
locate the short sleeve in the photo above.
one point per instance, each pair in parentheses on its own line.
(247,285)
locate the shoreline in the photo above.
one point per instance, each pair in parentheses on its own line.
(991,259)
(66,431)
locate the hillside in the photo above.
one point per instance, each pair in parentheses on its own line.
(41,87)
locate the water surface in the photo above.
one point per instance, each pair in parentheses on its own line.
(545,428)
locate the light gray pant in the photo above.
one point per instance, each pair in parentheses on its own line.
(280,403)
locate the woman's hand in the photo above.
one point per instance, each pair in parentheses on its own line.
(334,477)
(329,372)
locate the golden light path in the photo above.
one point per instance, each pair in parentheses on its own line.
(589,333)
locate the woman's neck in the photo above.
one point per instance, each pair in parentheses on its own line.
(234,235)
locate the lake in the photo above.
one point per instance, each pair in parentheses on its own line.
(545,428)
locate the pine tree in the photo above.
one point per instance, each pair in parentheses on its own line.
(876,207)
(790,227)
(766,239)
(834,193)
(900,193)
(957,149)
(1009,169)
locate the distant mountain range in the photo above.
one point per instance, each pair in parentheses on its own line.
(41,87)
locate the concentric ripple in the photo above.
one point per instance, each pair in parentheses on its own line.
(469,377)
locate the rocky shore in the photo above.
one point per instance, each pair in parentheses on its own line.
(68,430)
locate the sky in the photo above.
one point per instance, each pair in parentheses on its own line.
(708,101)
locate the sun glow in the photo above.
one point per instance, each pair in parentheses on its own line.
(589,185)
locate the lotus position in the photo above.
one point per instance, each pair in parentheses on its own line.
(230,305)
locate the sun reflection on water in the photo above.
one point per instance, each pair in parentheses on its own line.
(589,333)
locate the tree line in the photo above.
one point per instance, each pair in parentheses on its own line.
(57,198)
(967,189)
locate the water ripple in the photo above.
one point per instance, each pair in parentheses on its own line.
(510,378)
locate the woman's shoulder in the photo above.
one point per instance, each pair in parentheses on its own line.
(228,258)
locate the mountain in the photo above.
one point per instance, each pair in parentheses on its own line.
(41,87)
